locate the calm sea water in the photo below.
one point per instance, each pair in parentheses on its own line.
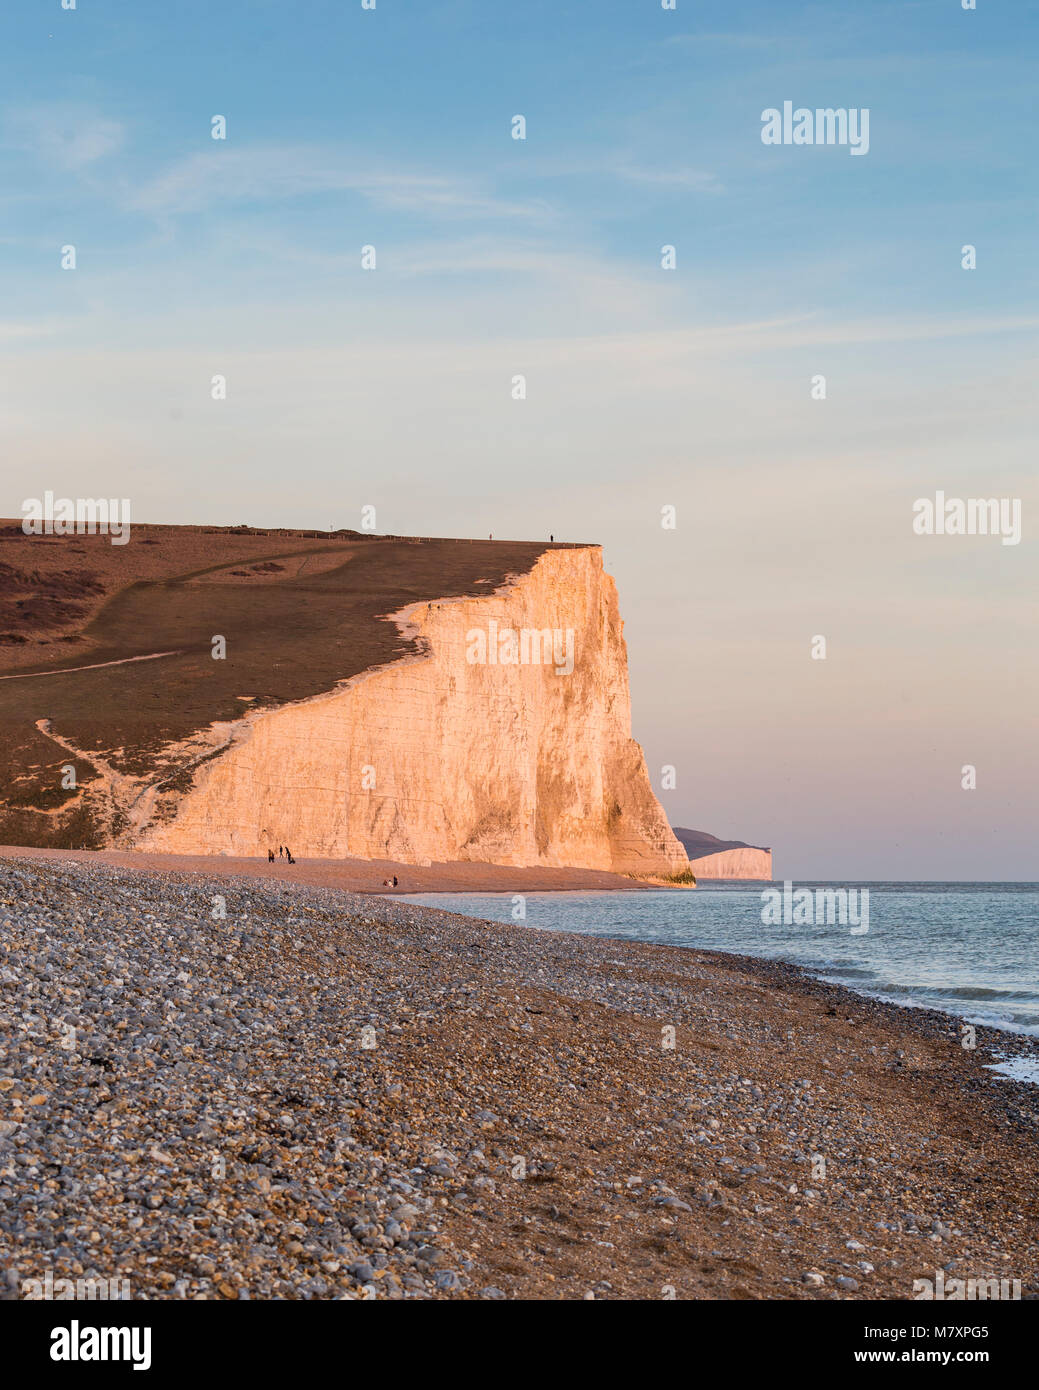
(970,949)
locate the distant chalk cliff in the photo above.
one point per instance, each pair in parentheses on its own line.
(710,857)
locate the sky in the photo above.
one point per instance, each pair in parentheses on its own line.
(646,387)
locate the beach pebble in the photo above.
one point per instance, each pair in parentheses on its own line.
(221,1130)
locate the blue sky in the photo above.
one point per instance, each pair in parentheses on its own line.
(645,387)
(391,127)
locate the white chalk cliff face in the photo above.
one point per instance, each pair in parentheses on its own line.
(438,757)
(734,863)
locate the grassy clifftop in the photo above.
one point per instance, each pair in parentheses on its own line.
(297,614)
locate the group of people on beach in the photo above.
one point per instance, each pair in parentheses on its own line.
(285,853)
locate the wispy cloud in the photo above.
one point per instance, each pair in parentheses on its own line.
(789,332)
(728,40)
(65,136)
(276,172)
(12,331)
(696,180)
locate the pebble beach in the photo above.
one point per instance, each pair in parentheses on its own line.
(220,1087)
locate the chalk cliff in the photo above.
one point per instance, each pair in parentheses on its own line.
(441,757)
(734,863)
(710,857)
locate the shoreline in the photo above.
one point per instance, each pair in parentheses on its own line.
(963,1015)
(395,1168)
(363,875)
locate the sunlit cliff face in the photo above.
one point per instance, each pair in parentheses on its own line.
(446,757)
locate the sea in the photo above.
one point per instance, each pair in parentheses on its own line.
(968,949)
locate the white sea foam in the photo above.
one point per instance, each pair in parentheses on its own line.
(1017,1069)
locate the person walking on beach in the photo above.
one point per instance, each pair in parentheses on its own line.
(281,851)
(270,856)
(288,855)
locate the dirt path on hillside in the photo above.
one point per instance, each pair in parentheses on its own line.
(66,670)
